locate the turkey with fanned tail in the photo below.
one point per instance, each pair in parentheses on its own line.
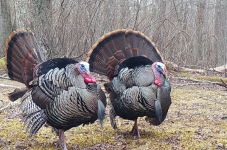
(60,92)
(138,83)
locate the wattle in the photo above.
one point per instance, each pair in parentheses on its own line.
(89,80)
(157,82)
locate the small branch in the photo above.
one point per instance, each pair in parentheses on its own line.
(187,84)
(222,84)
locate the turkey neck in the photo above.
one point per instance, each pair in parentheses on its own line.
(157,76)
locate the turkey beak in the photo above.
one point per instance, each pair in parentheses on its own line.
(88,78)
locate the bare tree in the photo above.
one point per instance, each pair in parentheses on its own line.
(5,23)
(200,16)
(189,33)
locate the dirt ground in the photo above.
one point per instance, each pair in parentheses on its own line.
(196,120)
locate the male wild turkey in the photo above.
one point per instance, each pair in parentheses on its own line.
(138,85)
(60,92)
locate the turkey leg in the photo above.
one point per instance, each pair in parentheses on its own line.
(62,142)
(112,118)
(135,130)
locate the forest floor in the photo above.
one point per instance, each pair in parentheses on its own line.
(196,120)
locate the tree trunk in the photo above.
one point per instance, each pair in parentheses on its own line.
(220,30)
(200,15)
(42,23)
(5,24)
(159,33)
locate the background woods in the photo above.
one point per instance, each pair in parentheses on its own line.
(187,32)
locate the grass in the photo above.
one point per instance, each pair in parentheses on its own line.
(202,77)
(193,122)
(2,63)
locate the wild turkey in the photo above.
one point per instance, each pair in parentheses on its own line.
(138,85)
(60,92)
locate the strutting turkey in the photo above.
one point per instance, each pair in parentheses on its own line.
(60,92)
(138,84)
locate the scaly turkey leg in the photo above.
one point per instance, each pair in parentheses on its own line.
(62,142)
(135,130)
(113,118)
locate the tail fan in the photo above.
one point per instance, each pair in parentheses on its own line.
(22,55)
(101,104)
(33,116)
(117,46)
(101,111)
(17,93)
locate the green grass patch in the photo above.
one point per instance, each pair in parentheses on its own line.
(3,63)
(202,77)
(211,78)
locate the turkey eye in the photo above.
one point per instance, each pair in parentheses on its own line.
(158,66)
(82,68)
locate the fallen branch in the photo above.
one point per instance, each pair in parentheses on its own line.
(8,86)
(222,84)
(5,78)
(201,81)
(187,84)
(222,68)
(174,67)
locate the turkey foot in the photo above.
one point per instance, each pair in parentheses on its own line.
(61,142)
(135,130)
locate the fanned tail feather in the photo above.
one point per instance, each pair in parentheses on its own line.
(115,47)
(101,111)
(17,93)
(22,55)
(35,121)
(34,117)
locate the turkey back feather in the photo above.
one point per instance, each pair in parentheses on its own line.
(60,63)
(116,49)
(22,55)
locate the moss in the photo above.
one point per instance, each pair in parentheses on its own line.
(211,78)
(202,77)
(2,63)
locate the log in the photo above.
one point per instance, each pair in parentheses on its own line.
(221,69)
(222,83)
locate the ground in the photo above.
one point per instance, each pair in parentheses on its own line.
(196,120)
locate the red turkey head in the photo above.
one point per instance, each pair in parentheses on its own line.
(83,68)
(159,69)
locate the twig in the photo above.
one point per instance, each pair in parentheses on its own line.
(186,84)
(222,83)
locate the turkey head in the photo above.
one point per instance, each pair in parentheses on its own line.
(83,69)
